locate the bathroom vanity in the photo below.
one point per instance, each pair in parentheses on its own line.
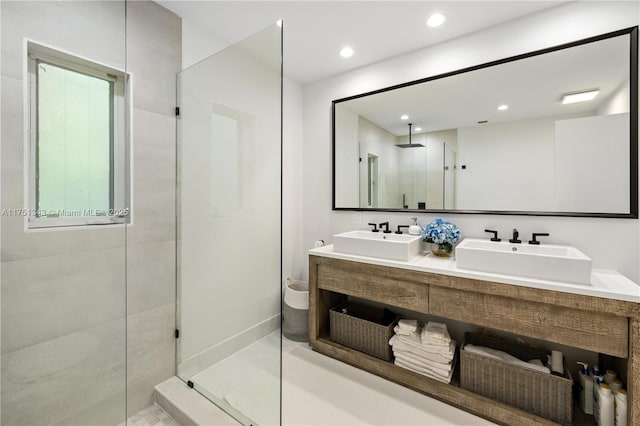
(603,317)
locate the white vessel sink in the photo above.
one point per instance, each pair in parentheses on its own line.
(548,261)
(378,244)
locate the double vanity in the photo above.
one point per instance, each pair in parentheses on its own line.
(547,292)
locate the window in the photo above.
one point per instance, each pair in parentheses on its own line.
(77,141)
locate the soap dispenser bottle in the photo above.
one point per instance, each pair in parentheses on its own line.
(415,229)
(586,389)
(598,380)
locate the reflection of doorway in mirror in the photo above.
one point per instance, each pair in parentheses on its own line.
(372,180)
(449,184)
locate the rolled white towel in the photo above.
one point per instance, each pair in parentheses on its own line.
(503,356)
(435,331)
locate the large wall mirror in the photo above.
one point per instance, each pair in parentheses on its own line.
(552,132)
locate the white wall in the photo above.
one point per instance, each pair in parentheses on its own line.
(66,342)
(582,143)
(501,159)
(199,44)
(619,101)
(562,24)
(348,166)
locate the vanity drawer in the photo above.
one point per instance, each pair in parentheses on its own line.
(394,287)
(594,331)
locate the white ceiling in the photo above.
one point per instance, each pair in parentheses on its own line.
(532,88)
(315,31)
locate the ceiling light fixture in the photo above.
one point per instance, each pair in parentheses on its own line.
(417,129)
(404,117)
(346,52)
(587,95)
(436,20)
(503,107)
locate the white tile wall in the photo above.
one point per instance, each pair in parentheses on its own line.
(49,381)
(63,292)
(153,58)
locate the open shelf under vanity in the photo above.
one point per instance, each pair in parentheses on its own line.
(605,327)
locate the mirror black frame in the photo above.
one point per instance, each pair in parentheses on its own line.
(633,134)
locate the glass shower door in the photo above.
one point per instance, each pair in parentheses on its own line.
(229,227)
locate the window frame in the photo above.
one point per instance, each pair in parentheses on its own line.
(119,190)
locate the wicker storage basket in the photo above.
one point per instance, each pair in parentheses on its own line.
(539,393)
(363,328)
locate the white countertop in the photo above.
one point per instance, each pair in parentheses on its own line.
(604,283)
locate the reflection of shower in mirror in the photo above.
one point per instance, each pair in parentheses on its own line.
(410,145)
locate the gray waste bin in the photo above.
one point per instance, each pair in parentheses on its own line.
(295,321)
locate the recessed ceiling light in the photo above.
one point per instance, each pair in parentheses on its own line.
(436,20)
(404,117)
(346,52)
(418,129)
(279,23)
(571,98)
(503,107)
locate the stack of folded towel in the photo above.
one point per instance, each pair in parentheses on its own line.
(428,350)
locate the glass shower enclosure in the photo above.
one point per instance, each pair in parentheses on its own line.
(229,177)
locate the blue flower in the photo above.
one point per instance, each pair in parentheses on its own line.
(440,232)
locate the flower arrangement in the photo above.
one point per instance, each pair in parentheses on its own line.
(443,233)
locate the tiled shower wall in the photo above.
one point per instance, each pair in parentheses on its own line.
(154,40)
(67,347)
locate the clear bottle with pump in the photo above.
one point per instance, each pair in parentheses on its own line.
(586,388)
(415,229)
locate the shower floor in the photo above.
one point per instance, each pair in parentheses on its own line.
(151,416)
(246,384)
(316,390)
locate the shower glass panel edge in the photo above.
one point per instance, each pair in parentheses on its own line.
(229,220)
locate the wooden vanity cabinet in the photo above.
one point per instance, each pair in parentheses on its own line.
(606,326)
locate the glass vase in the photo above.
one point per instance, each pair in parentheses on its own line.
(442,249)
